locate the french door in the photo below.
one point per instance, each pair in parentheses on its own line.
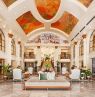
(93,66)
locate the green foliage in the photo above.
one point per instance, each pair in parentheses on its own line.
(48,66)
(5,69)
(58,62)
(86,73)
(36,62)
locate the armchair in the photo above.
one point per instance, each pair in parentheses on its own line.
(30,70)
(75,74)
(17,74)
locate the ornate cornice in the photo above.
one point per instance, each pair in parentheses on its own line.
(75,43)
(38,47)
(19,42)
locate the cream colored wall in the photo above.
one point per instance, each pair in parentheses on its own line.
(7,54)
(87,56)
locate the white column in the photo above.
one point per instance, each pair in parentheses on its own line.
(89,60)
(38,56)
(55,60)
(85,61)
(76,54)
(56,55)
(22,57)
(8,48)
(17,53)
(72,53)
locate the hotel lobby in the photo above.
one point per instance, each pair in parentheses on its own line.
(47,48)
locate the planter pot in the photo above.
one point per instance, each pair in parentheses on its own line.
(5,77)
(88,77)
(82,78)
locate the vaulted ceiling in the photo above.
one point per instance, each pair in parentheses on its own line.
(27,17)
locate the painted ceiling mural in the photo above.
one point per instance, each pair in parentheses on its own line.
(28,23)
(47,8)
(47,38)
(66,23)
(9,2)
(86,2)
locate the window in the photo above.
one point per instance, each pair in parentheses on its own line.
(81,48)
(2,41)
(13,47)
(65,53)
(29,53)
(92,42)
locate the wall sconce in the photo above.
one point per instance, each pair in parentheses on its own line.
(75,43)
(19,42)
(56,47)
(38,47)
(10,34)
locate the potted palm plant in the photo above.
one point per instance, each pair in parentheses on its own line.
(88,73)
(5,70)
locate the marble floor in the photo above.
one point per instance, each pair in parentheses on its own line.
(79,89)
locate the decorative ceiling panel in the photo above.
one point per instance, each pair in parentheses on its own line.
(28,23)
(66,23)
(45,38)
(47,8)
(86,2)
(9,2)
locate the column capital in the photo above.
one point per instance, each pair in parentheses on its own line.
(84,36)
(75,43)
(38,47)
(65,41)
(19,42)
(56,47)
(10,35)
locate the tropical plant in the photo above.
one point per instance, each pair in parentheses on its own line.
(58,62)
(48,66)
(88,72)
(5,69)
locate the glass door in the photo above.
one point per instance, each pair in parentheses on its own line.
(2,61)
(93,66)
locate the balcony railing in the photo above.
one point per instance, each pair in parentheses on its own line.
(28,56)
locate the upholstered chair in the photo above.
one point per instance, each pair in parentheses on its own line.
(30,70)
(17,74)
